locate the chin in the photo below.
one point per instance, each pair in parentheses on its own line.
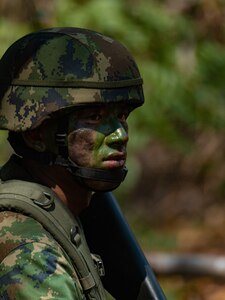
(100,186)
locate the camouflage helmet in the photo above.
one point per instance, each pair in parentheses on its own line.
(59,68)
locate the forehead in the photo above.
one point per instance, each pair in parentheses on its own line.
(110,107)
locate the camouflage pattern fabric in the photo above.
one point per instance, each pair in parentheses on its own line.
(33,265)
(60,68)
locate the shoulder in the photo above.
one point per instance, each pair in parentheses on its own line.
(33,260)
(18,231)
(16,228)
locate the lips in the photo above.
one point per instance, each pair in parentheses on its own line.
(115,160)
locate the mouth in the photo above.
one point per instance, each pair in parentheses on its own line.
(116,160)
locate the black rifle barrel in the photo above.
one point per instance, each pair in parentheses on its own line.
(128,273)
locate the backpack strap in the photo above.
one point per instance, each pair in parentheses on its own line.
(42,204)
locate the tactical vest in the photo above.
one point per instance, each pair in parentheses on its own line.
(40,203)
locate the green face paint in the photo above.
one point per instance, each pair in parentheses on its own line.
(98,136)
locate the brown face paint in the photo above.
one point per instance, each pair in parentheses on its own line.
(98,136)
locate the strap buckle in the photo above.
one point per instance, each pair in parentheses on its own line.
(98,264)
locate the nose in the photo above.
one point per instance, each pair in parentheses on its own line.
(119,137)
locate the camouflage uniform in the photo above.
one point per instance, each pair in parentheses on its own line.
(43,75)
(36,267)
(32,262)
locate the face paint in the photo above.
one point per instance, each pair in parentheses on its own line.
(98,136)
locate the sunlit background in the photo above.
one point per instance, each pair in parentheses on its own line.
(174,193)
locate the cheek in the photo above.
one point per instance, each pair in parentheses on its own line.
(81,144)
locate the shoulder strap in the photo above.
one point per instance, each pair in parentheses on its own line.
(42,204)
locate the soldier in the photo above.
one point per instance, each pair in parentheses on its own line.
(66,94)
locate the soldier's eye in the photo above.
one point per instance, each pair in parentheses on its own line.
(95,117)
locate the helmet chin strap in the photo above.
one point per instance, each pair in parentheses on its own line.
(115,177)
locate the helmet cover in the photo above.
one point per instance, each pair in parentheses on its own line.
(60,68)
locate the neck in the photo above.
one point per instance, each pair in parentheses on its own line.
(62,183)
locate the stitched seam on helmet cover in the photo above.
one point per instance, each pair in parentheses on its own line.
(75,83)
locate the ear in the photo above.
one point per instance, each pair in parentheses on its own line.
(33,139)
